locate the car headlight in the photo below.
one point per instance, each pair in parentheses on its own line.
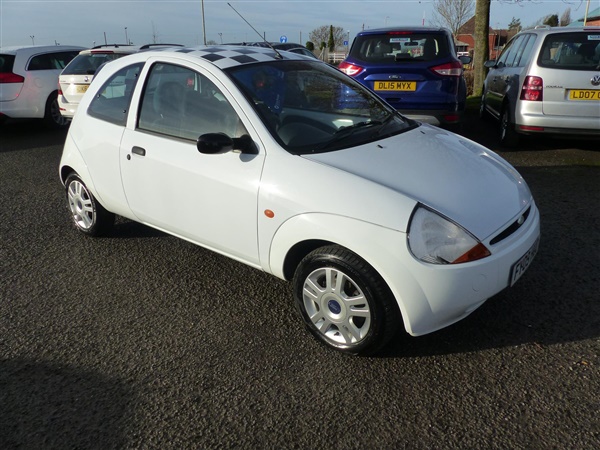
(436,240)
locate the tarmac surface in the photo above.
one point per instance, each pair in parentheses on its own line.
(142,340)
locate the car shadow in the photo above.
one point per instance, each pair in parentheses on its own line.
(26,134)
(486,132)
(46,405)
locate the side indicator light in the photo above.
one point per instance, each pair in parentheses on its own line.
(270,214)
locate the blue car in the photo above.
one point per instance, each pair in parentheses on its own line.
(415,70)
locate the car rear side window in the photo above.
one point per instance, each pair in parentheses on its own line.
(111,103)
(51,61)
(402,47)
(571,51)
(6,63)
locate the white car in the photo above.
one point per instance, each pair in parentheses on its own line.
(286,164)
(76,78)
(28,81)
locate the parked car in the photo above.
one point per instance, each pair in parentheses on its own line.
(28,78)
(545,81)
(414,69)
(378,220)
(75,79)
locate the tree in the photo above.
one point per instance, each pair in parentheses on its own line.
(330,41)
(452,13)
(309,45)
(482,44)
(565,18)
(321,34)
(551,20)
(515,25)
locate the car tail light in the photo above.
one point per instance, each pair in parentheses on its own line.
(533,89)
(452,69)
(350,69)
(10,77)
(59,90)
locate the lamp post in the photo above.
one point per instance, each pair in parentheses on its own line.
(32,40)
(126,39)
(221,36)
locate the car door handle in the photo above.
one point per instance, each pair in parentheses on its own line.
(138,151)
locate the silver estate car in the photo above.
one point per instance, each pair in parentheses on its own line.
(546,80)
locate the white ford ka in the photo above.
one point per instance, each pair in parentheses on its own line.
(285,164)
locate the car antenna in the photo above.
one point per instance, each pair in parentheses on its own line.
(262,37)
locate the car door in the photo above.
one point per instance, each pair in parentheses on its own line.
(503,78)
(210,199)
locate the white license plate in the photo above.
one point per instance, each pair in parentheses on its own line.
(522,264)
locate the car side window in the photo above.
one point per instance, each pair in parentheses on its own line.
(51,61)
(515,52)
(111,103)
(506,53)
(182,103)
(525,51)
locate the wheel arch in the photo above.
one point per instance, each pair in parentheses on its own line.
(380,247)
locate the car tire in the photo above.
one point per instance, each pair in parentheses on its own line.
(89,216)
(344,302)
(508,136)
(52,117)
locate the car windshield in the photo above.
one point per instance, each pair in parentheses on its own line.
(310,107)
(400,46)
(571,51)
(87,64)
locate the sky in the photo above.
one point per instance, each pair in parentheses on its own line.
(94,22)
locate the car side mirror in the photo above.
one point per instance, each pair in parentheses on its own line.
(490,64)
(212,143)
(465,59)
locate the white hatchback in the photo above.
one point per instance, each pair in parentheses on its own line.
(28,81)
(286,164)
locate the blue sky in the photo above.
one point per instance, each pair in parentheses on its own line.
(84,22)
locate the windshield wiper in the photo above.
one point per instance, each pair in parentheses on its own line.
(346,132)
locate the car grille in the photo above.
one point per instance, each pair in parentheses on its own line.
(512,227)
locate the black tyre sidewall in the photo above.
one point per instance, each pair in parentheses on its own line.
(48,118)
(373,287)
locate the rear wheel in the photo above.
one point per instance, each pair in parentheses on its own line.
(52,116)
(508,136)
(88,215)
(344,301)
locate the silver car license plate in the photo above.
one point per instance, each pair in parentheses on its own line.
(522,264)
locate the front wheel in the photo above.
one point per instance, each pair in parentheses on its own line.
(88,215)
(344,302)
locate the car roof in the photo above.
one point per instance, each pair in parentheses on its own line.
(418,29)
(226,56)
(35,49)
(125,48)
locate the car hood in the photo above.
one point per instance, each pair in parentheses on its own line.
(459,178)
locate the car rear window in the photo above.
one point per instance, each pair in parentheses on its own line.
(51,61)
(396,46)
(571,51)
(6,63)
(88,64)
